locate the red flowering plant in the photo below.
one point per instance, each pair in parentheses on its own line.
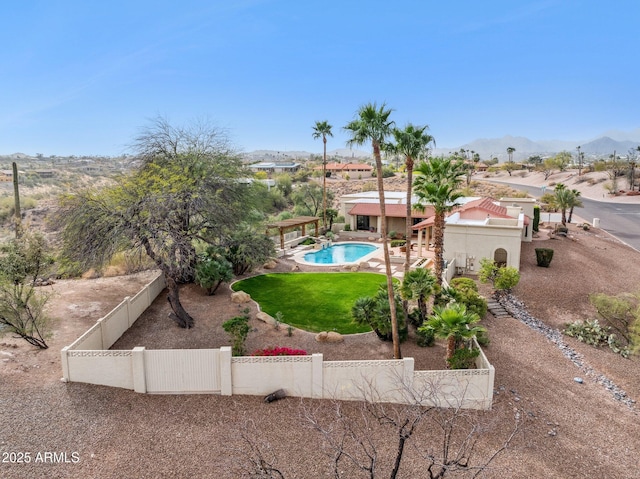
(279,351)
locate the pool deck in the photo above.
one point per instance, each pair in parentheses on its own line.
(374,261)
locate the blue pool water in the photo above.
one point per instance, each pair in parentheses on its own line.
(340,253)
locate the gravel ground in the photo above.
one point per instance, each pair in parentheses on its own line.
(567,429)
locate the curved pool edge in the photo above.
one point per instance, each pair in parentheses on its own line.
(299,257)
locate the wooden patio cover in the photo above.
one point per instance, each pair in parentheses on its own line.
(292,223)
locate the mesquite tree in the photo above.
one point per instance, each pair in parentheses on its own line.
(185,190)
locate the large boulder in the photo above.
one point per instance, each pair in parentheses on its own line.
(329,337)
(271,264)
(240,297)
(265,318)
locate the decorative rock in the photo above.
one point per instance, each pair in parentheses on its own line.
(271,264)
(333,337)
(329,337)
(265,318)
(240,297)
(322,337)
(295,268)
(371,238)
(355,268)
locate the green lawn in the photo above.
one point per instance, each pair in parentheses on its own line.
(313,301)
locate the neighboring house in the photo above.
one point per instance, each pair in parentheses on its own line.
(270,167)
(478,228)
(354,170)
(6,175)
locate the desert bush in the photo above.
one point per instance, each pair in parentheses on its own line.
(396,243)
(463,358)
(238,329)
(544,256)
(425,337)
(502,277)
(463,283)
(593,333)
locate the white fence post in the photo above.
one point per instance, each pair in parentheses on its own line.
(65,363)
(317,379)
(138,371)
(226,384)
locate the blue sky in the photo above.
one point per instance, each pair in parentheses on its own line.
(82,77)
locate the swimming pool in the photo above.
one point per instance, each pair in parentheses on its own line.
(340,253)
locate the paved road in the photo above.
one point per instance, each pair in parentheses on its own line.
(622,220)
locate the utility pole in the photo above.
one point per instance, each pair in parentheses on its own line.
(579,161)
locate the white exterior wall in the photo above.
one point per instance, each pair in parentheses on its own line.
(481,241)
(215,371)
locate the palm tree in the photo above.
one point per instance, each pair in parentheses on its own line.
(564,199)
(510,151)
(322,129)
(412,142)
(452,323)
(577,202)
(419,284)
(437,186)
(372,124)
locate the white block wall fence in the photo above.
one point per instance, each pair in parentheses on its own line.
(215,371)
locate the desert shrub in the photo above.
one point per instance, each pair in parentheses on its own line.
(463,358)
(536,218)
(463,283)
(502,277)
(483,338)
(238,329)
(375,311)
(593,333)
(212,269)
(347,227)
(308,241)
(396,243)
(621,312)
(544,256)
(425,337)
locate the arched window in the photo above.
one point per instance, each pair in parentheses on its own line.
(500,257)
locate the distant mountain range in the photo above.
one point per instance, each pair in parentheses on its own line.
(525,148)
(487,148)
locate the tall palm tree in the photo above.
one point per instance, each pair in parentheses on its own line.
(412,142)
(510,151)
(437,185)
(372,124)
(452,323)
(322,129)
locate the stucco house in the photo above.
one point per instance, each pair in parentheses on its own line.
(275,167)
(354,170)
(477,228)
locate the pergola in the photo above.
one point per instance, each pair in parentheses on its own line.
(293,223)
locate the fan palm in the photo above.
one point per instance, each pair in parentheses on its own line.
(322,129)
(372,124)
(412,142)
(453,324)
(437,185)
(419,284)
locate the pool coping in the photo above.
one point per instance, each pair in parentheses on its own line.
(299,257)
